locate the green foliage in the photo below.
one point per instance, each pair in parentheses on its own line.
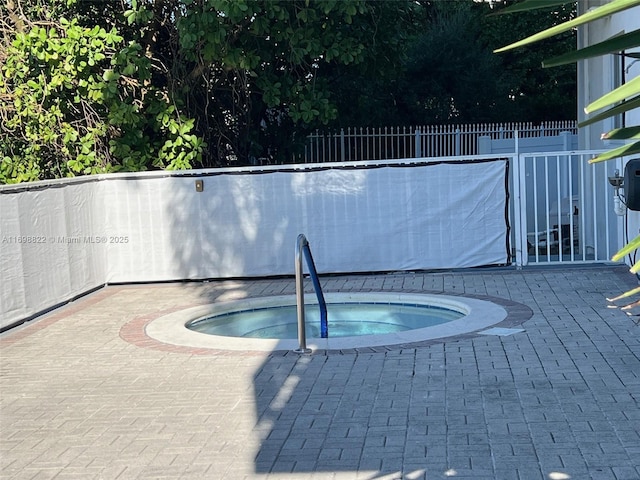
(90,87)
(535,94)
(77,100)
(613,45)
(175,83)
(615,6)
(622,99)
(444,65)
(446,72)
(46,73)
(268,67)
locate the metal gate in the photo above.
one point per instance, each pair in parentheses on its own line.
(562,209)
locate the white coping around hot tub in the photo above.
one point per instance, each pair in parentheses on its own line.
(479,314)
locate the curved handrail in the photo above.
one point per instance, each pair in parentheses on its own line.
(302,247)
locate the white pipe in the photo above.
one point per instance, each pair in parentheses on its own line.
(618,207)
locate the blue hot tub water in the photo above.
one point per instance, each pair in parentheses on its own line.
(345,320)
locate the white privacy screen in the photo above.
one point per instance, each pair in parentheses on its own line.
(245,223)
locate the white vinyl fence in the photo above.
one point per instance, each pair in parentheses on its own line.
(355,144)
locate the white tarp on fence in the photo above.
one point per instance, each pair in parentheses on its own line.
(45,258)
(244,224)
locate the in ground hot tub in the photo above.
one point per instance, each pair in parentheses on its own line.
(356,320)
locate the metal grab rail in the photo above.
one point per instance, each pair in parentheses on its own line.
(302,246)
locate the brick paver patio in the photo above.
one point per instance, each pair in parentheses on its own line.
(84,393)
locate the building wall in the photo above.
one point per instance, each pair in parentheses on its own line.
(599,75)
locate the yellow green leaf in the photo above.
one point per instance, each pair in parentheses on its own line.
(623,92)
(622,151)
(600,12)
(628,248)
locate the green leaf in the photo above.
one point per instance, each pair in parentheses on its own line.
(110,75)
(628,248)
(130,15)
(625,295)
(600,12)
(623,151)
(613,45)
(617,110)
(623,133)
(623,92)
